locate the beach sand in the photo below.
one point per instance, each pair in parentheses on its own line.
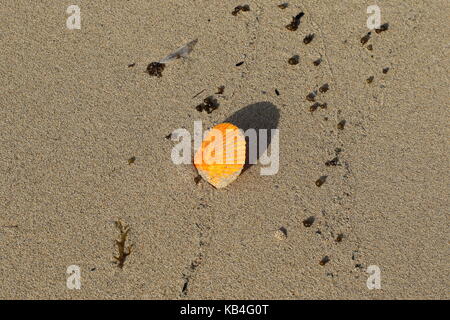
(73,112)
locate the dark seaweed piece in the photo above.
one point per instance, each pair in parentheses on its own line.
(385,70)
(309,222)
(283,5)
(209,104)
(324,88)
(236,10)
(370,47)
(308,38)
(324,260)
(277,92)
(383,27)
(321,181)
(341,125)
(131,65)
(156,69)
(366,38)
(314,107)
(131,160)
(293,26)
(311,96)
(239,64)
(294,60)
(340,237)
(332,162)
(317,62)
(370,79)
(123,252)
(221,90)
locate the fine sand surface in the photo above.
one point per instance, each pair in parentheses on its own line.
(72,113)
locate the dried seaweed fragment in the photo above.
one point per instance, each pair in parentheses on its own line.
(366,38)
(295,59)
(155,69)
(283,5)
(293,26)
(308,38)
(124,251)
(209,104)
(238,9)
(383,27)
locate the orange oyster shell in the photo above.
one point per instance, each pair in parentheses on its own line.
(221,156)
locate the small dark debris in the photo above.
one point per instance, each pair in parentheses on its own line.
(156,69)
(333,162)
(323,105)
(340,237)
(317,62)
(341,125)
(308,38)
(311,97)
(197,179)
(185,286)
(370,47)
(365,38)
(283,5)
(321,181)
(293,26)
(131,65)
(294,60)
(124,252)
(309,222)
(324,261)
(169,136)
(239,64)
(358,266)
(131,160)
(385,70)
(370,79)
(318,232)
(277,92)
(244,8)
(383,27)
(209,104)
(324,88)
(283,230)
(338,150)
(314,107)
(198,94)
(93,269)
(220,90)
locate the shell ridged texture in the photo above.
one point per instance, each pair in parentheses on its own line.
(221,156)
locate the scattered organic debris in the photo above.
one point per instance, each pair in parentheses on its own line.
(294,60)
(333,162)
(321,181)
(197,179)
(324,260)
(323,105)
(281,234)
(283,5)
(277,92)
(385,70)
(366,38)
(314,107)
(309,222)
(370,79)
(317,62)
(131,160)
(341,125)
(220,90)
(198,94)
(370,47)
(239,64)
(293,26)
(244,8)
(311,96)
(131,65)
(156,68)
(308,38)
(123,252)
(209,104)
(169,136)
(324,88)
(383,27)
(340,237)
